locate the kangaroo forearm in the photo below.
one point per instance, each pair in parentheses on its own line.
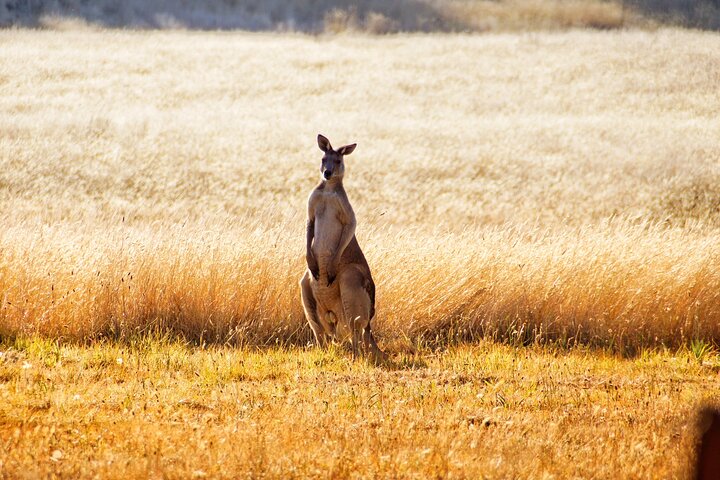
(309,256)
(347,234)
(309,235)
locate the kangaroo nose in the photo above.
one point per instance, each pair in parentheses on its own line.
(327,174)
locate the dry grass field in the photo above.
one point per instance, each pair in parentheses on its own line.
(541,213)
(539,187)
(151,409)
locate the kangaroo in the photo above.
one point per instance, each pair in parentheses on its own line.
(337,285)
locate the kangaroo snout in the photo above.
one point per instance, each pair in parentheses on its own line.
(327,174)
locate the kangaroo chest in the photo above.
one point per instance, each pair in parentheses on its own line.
(331,215)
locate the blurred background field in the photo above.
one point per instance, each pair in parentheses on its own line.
(539,187)
(371,16)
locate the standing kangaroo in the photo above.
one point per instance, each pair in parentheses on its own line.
(337,285)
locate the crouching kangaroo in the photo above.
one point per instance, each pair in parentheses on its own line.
(337,285)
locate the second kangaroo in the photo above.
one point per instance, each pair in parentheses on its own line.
(337,285)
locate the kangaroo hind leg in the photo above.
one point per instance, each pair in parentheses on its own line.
(356,305)
(311,311)
(371,347)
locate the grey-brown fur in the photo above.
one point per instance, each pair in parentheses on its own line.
(337,286)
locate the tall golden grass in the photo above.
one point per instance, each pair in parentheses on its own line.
(622,286)
(549,188)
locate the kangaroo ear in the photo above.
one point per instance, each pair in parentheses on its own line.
(324,143)
(347,149)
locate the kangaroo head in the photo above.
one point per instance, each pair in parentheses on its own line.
(333,165)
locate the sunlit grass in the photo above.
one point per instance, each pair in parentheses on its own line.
(157,407)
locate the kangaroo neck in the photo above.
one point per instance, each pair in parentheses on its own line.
(333,185)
